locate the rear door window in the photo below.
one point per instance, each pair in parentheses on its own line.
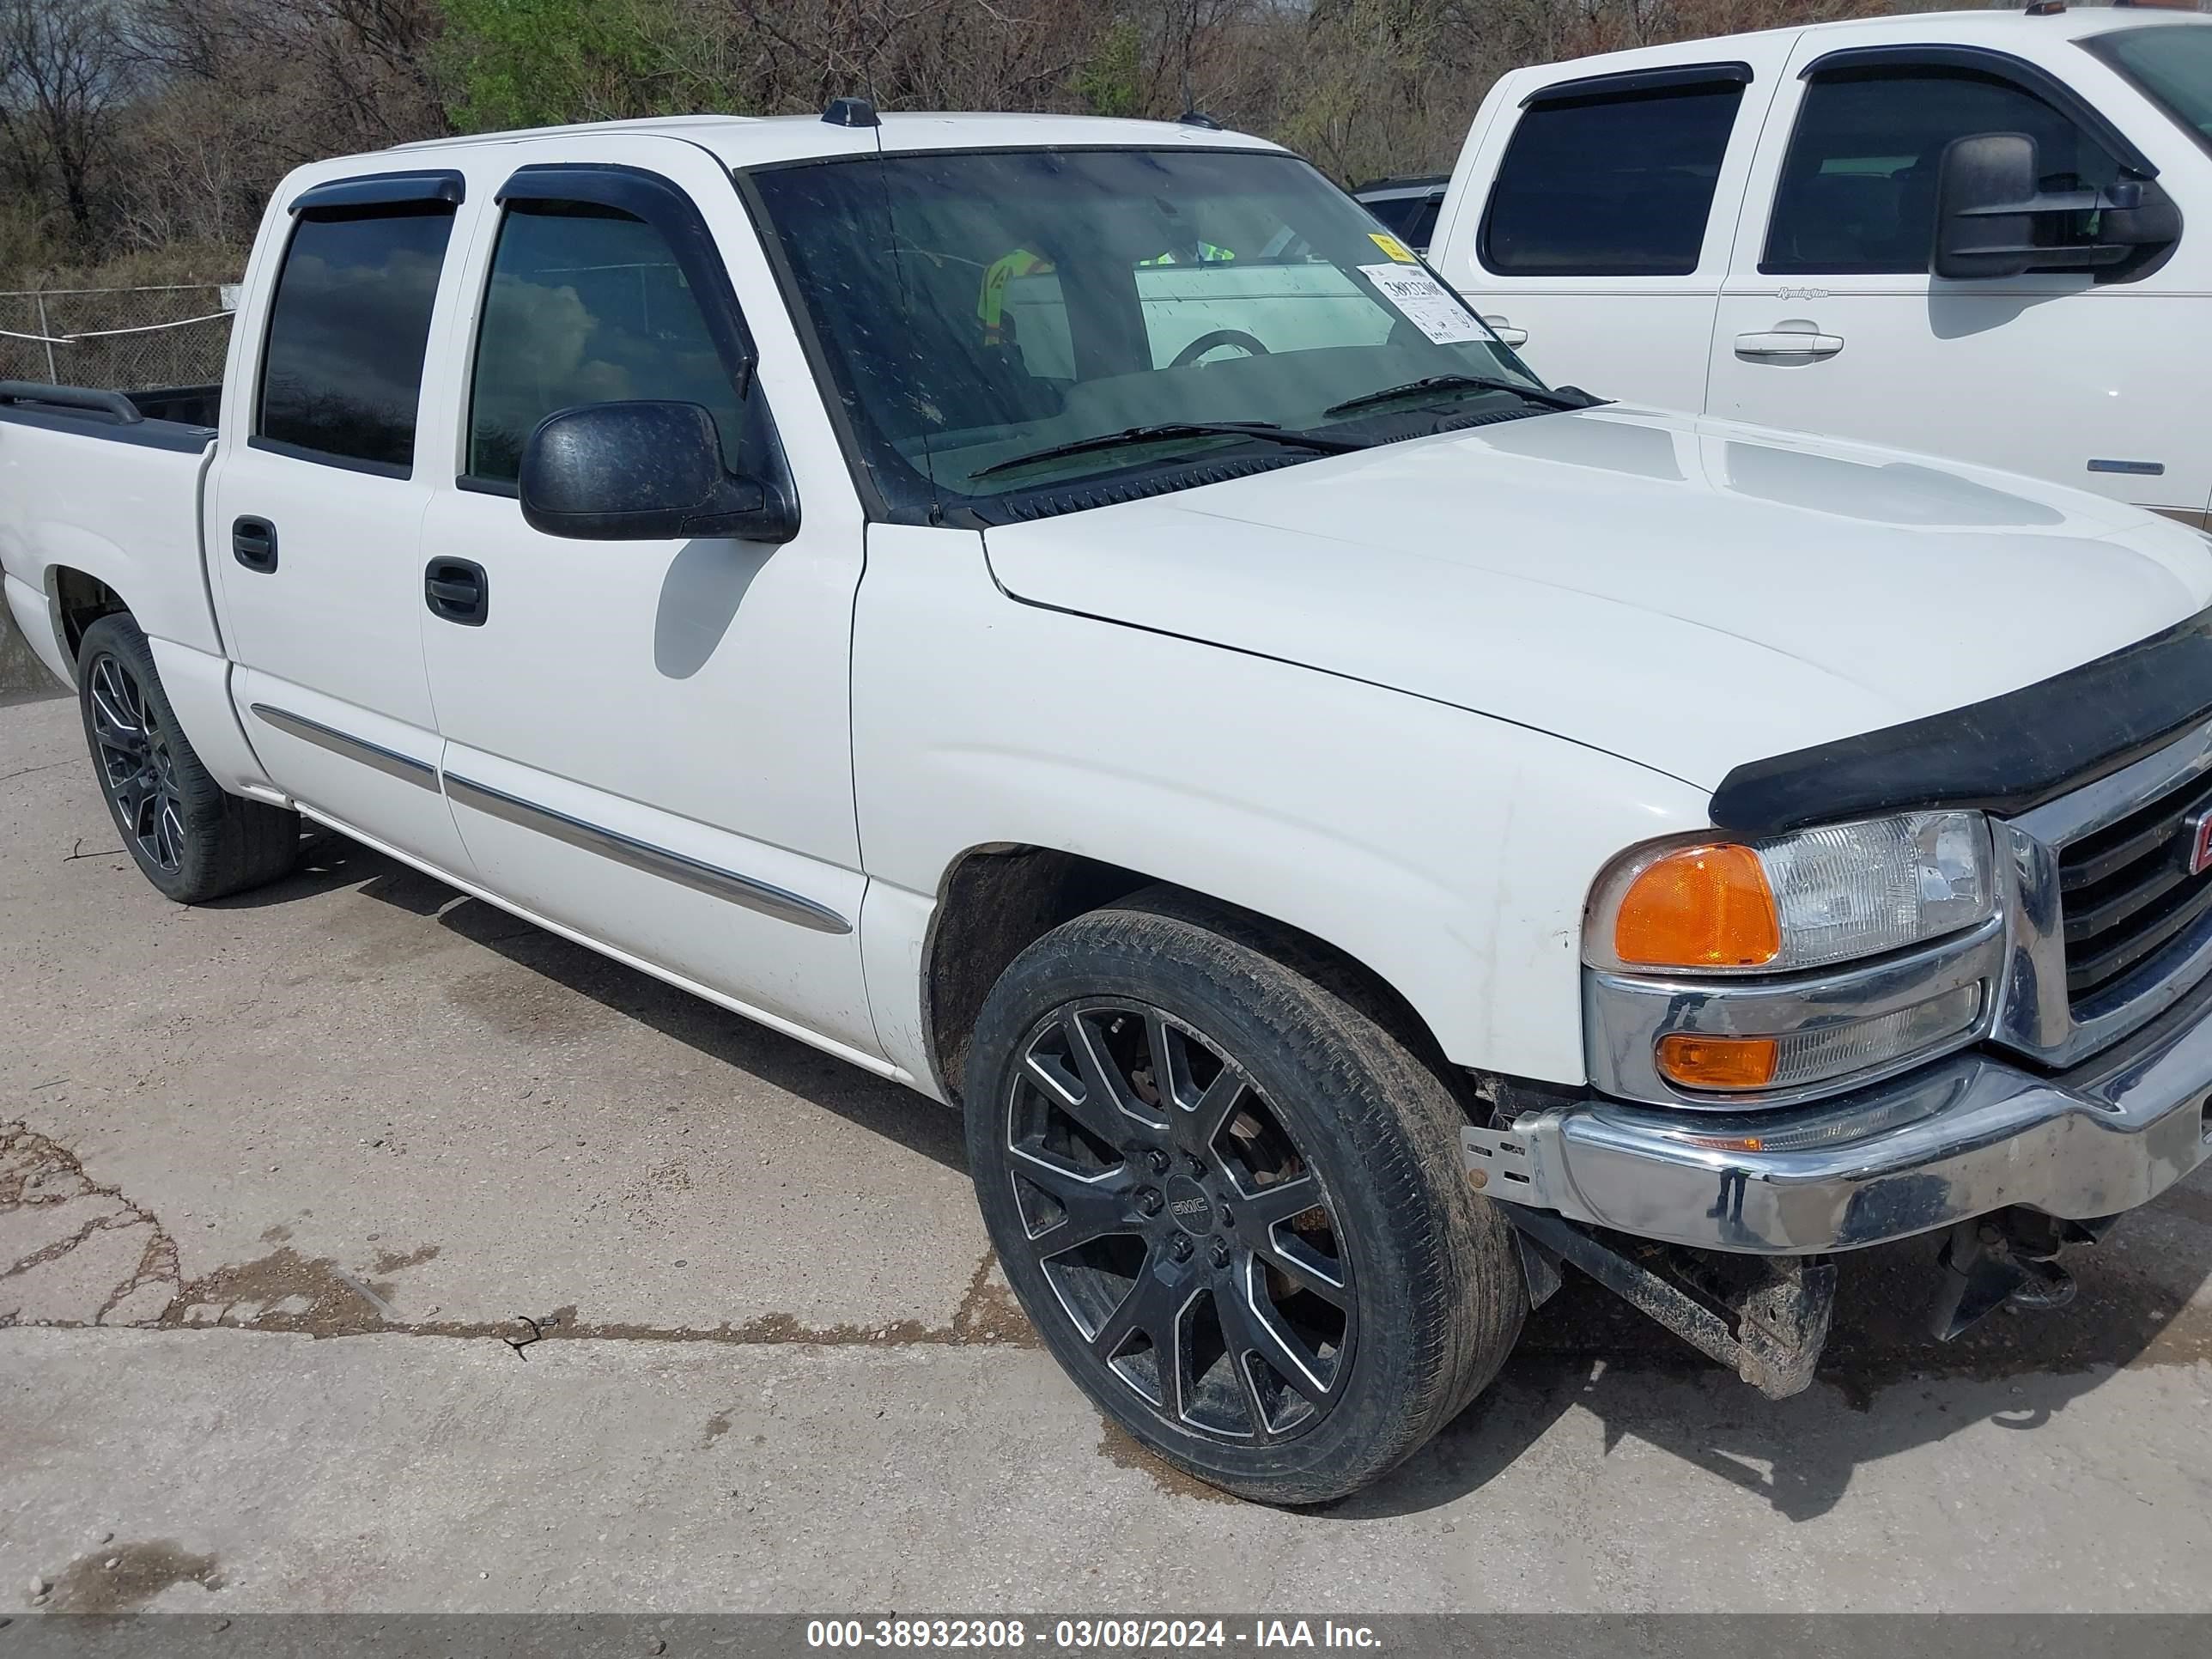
(1610,184)
(342,375)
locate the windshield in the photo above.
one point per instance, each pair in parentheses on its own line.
(1000,323)
(2172,65)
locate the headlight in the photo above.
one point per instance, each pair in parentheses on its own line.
(1829,894)
(1788,968)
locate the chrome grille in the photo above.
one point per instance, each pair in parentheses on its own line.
(2127,894)
(2107,928)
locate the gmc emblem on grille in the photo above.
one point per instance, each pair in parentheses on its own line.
(2200,842)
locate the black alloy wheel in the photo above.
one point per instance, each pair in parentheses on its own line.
(137,762)
(1179,1224)
(191,838)
(1222,1175)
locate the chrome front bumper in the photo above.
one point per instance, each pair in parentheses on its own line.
(1956,1139)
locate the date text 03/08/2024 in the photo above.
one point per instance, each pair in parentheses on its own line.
(1087,1634)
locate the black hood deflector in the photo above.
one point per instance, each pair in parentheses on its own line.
(2004,755)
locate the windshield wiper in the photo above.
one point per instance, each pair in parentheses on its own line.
(1535,394)
(1167,429)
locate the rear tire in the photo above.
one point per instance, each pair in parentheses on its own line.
(1272,1272)
(190,837)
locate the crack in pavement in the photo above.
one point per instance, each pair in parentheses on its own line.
(38,1174)
(288,1293)
(26,771)
(120,1279)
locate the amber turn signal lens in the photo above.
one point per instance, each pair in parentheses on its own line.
(1699,1062)
(1699,907)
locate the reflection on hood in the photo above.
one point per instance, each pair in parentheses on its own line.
(1689,594)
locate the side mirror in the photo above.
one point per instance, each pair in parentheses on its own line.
(1977,179)
(643,471)
(1989,196)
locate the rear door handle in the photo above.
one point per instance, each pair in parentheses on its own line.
(1784,345)
(457,590)
(253,544)
(1503,329)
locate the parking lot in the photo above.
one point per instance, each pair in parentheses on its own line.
(363,1248)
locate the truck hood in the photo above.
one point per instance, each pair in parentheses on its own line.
(1690,595)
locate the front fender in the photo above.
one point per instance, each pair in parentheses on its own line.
(1450,853)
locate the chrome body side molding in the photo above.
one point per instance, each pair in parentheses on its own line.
(768,899)
(389,762)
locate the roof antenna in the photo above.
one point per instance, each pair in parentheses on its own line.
(856,111)
(1192,115)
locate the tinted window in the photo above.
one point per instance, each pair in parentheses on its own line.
(1421,228)
(588,304)
(1858,186)
(344,371)
(1397,213)
(1611,186)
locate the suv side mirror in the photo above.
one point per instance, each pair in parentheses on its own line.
(1989,198)
(644,471)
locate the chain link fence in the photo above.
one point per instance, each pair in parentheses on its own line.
(124,339)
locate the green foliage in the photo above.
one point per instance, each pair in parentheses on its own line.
(542,63)
(1110,82)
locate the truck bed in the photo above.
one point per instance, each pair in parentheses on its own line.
(104,488)
(172,418)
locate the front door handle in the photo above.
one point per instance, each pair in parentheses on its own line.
(457,590)
(253,544)
(1503,329)
(1788,345)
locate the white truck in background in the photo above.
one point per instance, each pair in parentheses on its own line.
(1986,234)
(1072,616)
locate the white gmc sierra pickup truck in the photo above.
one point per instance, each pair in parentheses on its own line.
(1068,615)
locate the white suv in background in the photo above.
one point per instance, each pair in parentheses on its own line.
(1808,227)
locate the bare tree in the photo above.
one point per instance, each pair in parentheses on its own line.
(375,59)
(164,124)
(63,77)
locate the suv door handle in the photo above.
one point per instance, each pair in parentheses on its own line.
(1503,329)
(253,544)
(1784,345)
(457,590)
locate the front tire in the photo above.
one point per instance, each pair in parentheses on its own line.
(191,839)
(1230,1200)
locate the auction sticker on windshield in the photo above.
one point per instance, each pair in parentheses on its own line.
(1424,302)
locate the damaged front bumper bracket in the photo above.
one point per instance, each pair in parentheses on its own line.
(1767,1321)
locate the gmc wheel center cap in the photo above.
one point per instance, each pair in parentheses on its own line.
(1192,1209)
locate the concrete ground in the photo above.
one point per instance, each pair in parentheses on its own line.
(281,1178)
(23,677)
